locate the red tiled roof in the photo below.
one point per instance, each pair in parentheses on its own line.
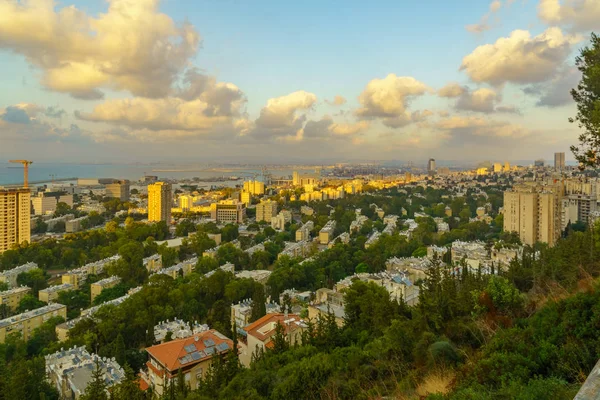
(255,327)
(170,354)
(143,384)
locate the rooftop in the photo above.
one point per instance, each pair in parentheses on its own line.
(179,353)
(31,314)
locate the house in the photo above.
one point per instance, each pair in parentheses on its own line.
(259,334)
(191,356)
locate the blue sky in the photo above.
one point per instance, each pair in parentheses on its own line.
(263,75)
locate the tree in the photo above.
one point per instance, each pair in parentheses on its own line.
(35,279)
(259,308)
(96,389)
(128,388)
(40,226)
(119,349)
(587,98)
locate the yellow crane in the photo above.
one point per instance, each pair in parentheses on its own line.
(26,164)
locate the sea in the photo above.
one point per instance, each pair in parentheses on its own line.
(44,173)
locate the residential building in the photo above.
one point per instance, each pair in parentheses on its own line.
(327,302)
(74,225)
(12,297)
(190,356)
(534,212)
(306,210)
(43,205)
(255,188)
(153,263)
(228,211)
(178,329)
(71,371)
(242,311)
(160,202)
(246,197)
(78,276)
(259,275)
(266,210)
(118,190)
(297,249)
(577,207)
(51,293)
(97,287)
(303,233)
(27,322)
(10,276)
(62,330)
(559,161)
(326,233)
(15,217)
(278,222)
(259,334)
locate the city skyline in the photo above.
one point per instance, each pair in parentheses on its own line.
(120,81)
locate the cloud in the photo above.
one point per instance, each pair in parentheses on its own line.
(520,58)
(281,116)
(388,99)
(25,122)
(54,112)
(346,129)
(469,131)
(556,92)
(483,24)
(578,15)
(451,90)
(337,101)
(482,100)
(200,106)
(15,115)
(131,47)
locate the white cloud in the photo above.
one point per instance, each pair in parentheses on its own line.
(578,15)
(519,58)
(389,98)
(281,114)
(346,129)
(451,90)
(131,47)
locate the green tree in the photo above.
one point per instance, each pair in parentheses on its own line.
(259,308)
(96,389)
(128,388)
(35,279)
(587,98)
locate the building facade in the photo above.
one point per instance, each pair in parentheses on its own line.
(160,201)
(118,190)
(266,210)
(559,161)
(228,211)
(12,297)
(534,212)
(191,357)
(15,217)
(25,323)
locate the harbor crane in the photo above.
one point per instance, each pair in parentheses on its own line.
(26,164)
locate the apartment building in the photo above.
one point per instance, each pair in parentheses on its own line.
(70,371)
(10,276)
(12,297)
(303,233)
(190,356)
(27,322)
(160,202)
(228,211)
(255,188)
(118,190)
(153,263)
(97,287)
(74,225)
(266,210)
(534,212)
(242,311)
(51,293)
(326,233)
(15,217)
(44,203)
(259,334)
(278,222)
(178,329)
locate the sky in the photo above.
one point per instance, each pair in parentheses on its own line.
(288,82)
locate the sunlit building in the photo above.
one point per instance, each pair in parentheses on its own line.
(15,217)
(160,201)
